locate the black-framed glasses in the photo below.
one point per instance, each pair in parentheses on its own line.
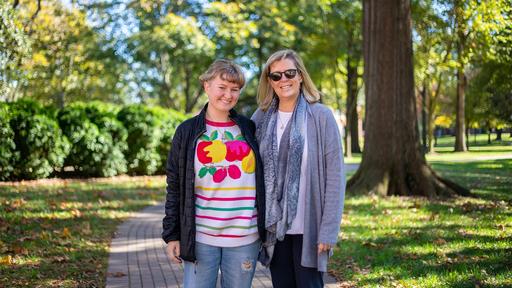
(276,76)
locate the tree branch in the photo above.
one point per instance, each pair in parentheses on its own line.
(37,10)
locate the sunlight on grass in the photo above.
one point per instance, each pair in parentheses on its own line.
(414,242)
(50,224)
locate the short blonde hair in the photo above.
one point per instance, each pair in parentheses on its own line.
(227,70)
(265,91)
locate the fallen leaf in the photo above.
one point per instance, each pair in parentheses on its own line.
(6,260)
(116,274)
(440,241)
(60,259)
(76,213)
(86,228)
(3,247)
(66,233)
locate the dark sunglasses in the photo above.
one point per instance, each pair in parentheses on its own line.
(276,76)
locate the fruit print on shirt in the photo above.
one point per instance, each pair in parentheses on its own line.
(224,157)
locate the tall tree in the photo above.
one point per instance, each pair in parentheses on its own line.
(392,163)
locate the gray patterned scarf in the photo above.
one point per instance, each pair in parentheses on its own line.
(281,171)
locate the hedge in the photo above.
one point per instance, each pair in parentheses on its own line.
(97,138)
(144,136)
(7,147)
(169,121)
(39,143)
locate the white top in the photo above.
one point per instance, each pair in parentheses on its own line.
(297,226)
(225,187)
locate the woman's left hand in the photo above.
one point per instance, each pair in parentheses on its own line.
(323,247)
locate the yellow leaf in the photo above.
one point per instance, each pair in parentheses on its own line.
(6,260)
(66,233)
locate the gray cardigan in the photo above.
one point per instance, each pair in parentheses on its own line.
(325,187)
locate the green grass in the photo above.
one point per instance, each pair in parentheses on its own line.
(56,233)
(478,150)
(414,242)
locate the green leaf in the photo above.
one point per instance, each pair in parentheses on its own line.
(203,171)
(212,170)
(228,135)
(205,137)
(240,137)
(214,135)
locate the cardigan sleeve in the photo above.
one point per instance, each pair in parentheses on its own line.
(334,181)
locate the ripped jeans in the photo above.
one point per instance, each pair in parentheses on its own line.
(237,266)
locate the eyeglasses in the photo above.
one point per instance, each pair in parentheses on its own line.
(276,76)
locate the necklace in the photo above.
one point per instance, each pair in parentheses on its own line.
(280,121)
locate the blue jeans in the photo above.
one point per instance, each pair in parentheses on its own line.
(237,266)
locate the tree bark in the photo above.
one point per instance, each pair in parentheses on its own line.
(499,131)
(460,119)
(424,118)
(352,119)
(392,163)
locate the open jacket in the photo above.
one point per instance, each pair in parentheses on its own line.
(179,221)
(325,184)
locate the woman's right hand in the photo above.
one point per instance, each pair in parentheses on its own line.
(173,251)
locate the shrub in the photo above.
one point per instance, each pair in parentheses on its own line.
(7,147)
(97,138)
(39,142)
(169,121)
(144,136)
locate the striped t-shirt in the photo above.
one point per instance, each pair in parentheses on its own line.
(225,187)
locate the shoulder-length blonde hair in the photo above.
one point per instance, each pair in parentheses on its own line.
(265,91)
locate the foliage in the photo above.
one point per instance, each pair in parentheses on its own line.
(170,120)
(144,136)
(14,45)
(98,139)
(38,140)
(68,59)
(7,147)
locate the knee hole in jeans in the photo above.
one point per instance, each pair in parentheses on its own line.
(247,265)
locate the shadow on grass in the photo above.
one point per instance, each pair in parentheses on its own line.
(60,235)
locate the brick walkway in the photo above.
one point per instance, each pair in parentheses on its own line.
(138,259)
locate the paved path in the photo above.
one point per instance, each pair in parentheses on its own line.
(138,259)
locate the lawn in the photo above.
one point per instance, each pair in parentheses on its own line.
(56,233)
(478,149)
(414,242)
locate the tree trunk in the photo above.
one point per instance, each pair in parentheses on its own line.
(392,163)
(499,131)
(352,119)
(460,119)
(424,118)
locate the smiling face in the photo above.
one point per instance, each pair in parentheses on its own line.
(222,95)
(286,89)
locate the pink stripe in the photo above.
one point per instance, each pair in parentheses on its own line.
(225,235)
(220,124)
(224,199)
(226,219)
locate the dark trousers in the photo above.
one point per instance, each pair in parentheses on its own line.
(285,267)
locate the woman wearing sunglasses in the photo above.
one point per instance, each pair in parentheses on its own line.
(303,173)
(215,205)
